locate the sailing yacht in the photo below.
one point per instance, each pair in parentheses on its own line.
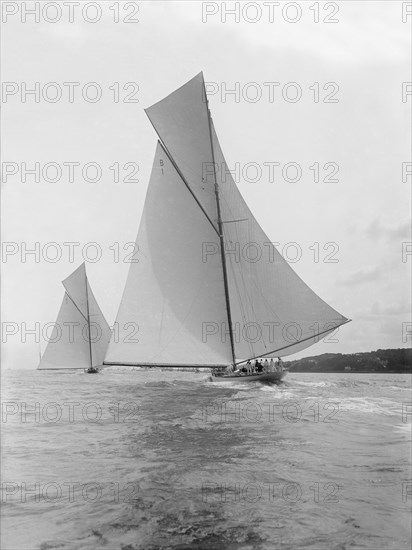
(209,288)
(80,334)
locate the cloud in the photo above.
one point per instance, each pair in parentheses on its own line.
(379,230)
(366,275)
(389,309)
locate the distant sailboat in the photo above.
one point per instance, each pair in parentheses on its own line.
(195,298)
(81,334)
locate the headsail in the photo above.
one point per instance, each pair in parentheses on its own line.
(174,299)
(80,334)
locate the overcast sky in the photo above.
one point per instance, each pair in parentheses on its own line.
(357,64)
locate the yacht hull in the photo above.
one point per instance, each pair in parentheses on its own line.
(262,377)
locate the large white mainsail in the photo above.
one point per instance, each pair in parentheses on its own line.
(195,297)
(80,334)
(273,311)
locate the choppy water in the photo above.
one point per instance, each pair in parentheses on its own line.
(166,460)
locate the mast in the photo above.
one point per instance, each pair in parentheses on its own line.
(88,320)
(220,228)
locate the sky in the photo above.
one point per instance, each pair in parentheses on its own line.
(327,100)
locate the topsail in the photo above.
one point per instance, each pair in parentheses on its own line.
(209,287)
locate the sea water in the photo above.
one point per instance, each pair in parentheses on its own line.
(169,460)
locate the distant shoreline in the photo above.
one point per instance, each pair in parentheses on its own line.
(381,361)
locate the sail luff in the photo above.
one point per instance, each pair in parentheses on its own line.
(221,236)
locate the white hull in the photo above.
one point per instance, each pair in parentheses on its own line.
(262,377)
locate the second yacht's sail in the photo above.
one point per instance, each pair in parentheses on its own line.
(80,334)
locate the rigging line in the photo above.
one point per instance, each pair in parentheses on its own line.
(166,150)
(180,162)
(74,303)
(220,226)
(88,320)
(187,184)
(234,192)
(298,342)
